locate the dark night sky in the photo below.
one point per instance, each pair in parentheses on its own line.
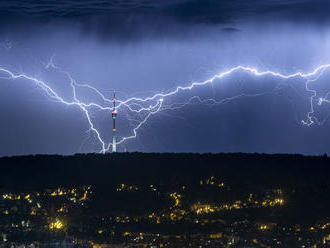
(140,47)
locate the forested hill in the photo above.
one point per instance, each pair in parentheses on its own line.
(248,170)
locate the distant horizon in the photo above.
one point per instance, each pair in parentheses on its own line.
(164,153)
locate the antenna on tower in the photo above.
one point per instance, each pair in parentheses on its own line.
(114,116)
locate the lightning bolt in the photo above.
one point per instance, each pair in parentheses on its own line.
(145,107)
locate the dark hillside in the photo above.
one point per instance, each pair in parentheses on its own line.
(248,170)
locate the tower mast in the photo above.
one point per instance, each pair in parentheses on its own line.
(114,115)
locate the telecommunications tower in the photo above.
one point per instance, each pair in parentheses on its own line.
(114,115)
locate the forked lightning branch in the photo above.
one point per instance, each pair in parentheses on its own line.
(148,106)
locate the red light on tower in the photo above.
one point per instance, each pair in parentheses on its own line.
(114,116)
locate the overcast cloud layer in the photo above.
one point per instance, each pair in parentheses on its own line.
(152,46)
(131,18)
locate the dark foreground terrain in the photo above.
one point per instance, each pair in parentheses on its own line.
(165,200)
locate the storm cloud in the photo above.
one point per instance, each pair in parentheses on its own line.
(146,18)
(143,47)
